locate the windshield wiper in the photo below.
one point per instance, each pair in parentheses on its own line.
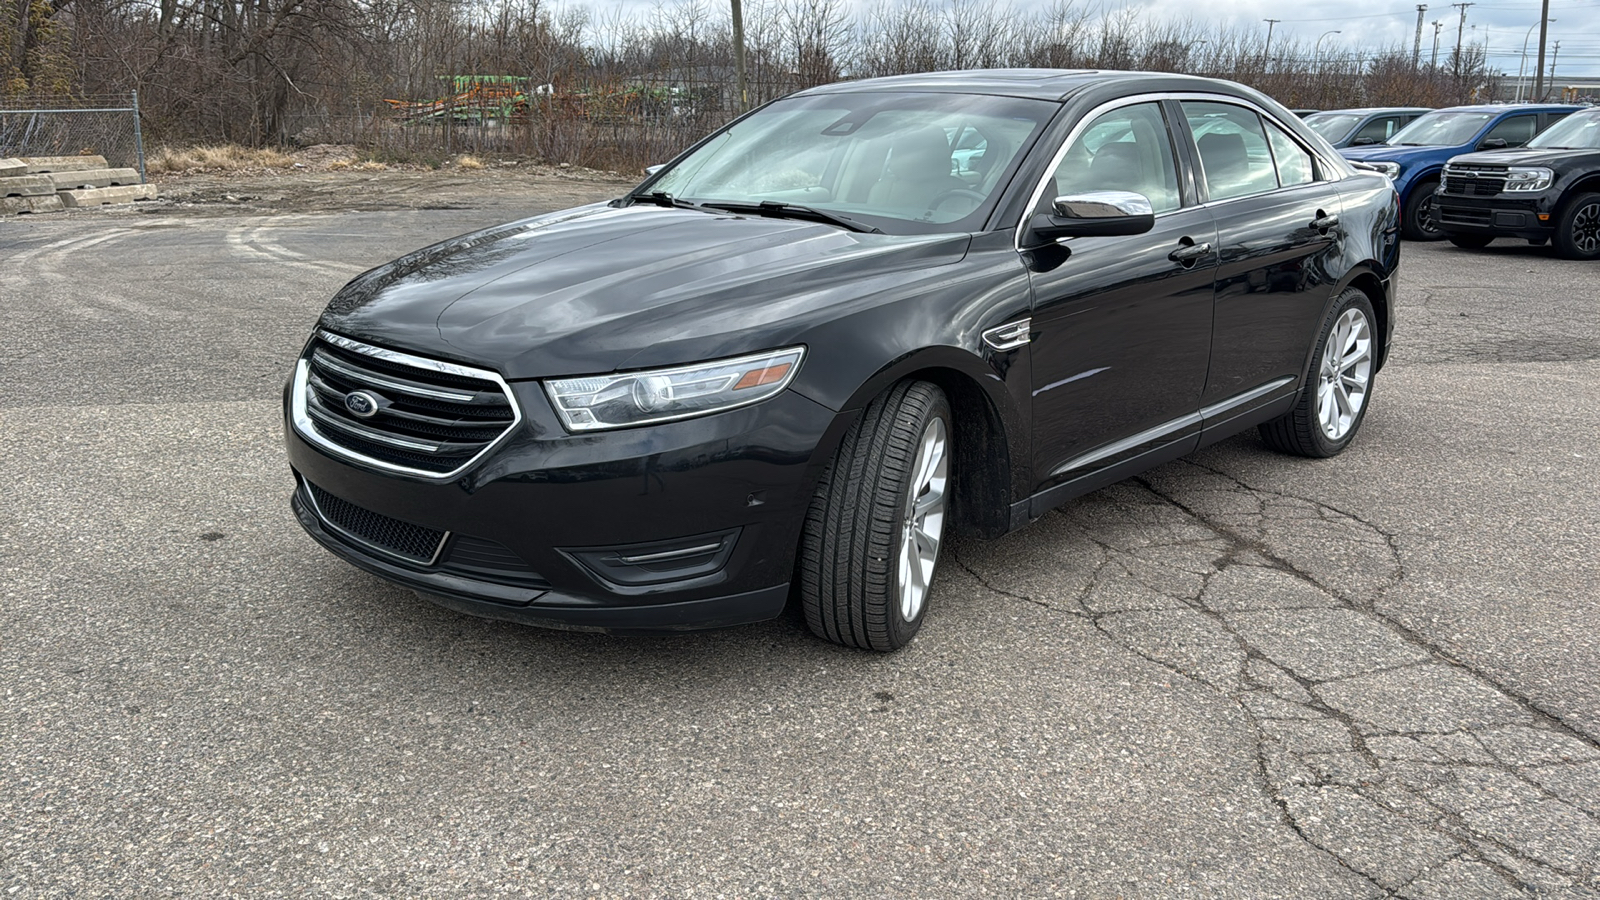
(778,210)
(662,198)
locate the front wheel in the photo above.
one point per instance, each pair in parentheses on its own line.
(873,530)
(1578,230)
(1471,241)
(1421,219)
(1334,400)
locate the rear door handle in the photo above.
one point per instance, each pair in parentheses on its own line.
(1323,222)
(1188,253)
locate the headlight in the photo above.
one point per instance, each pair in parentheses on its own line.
(1391,169)
(662,395)
(1528,178)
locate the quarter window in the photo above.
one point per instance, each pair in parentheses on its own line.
(1234,158)
(1126,149)
(1293,162)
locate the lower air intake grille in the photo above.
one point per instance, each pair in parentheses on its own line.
(413,542)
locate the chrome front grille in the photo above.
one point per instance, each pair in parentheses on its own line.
(1473,181)
(397,411)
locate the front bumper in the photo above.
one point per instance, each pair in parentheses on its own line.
(1500,215)
(545,503)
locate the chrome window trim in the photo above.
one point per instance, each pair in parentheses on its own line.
(1328,171)
(306,428)
(358,540)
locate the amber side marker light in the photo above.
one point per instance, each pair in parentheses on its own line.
(1543,217)
(758,377)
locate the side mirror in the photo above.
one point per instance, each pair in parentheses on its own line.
(1094,214)
(1493,144)
(651,170)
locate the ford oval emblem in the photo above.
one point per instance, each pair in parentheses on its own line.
(361,403)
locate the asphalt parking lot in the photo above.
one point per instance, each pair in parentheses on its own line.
(1241,675)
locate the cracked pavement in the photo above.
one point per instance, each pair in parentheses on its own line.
(1239,675)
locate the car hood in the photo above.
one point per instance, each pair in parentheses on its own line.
(601,288)
(1521,156)
(1392,153)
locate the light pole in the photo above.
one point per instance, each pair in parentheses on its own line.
(1316,60)
(1317,47)
(1523,65)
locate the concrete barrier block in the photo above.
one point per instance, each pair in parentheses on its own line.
(92,178)
(27,186)
(102,196)
(17,205)
(41,164)
(10,167)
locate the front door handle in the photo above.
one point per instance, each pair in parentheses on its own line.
(1324,221)
(1186,254)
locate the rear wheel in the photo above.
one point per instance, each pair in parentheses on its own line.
(1471,241)
(873,531)
(1333,402)
(1578,230)
(1421,219)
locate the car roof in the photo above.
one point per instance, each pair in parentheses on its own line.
(1512,107)
(1038,84)
(1375,110)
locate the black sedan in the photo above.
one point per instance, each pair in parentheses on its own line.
(794,359)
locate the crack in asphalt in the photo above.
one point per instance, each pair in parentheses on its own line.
(1350,787)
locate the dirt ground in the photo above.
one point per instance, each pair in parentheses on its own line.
(329,178)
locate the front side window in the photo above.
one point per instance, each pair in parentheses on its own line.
(1125,149)
(1378,130)
(1515,131)
(905,163)
(1234,158)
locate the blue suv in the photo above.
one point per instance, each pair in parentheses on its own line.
(1415,156)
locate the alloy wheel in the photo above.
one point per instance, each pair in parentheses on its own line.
(923,522)
(1346,373)
(1586,228)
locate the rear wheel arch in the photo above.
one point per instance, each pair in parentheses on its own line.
(1368,283)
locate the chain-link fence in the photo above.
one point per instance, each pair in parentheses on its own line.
(54,126)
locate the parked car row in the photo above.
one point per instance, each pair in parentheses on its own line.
(1475,173)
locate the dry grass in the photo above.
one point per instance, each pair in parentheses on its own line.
(218,158)
(468,163)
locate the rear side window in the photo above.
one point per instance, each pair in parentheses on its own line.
(1235,160)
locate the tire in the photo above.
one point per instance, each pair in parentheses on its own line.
(1328,413)
(1471,241)
(1578,230)
(1420,221)
(870,546)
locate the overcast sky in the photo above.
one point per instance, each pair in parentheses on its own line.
(1382,23)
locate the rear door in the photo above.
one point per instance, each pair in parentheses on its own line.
(1279,242)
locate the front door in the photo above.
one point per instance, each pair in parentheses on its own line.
(1122,325)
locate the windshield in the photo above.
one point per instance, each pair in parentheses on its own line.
(1441,129)
(1332,125)
(905,163)
(1579,131)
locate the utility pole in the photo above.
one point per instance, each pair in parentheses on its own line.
(1553,57)
(1416,48)
(738,55)
(1460,31)
(1538,70)
(1267,51)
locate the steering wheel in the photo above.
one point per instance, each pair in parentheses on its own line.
(940,198)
